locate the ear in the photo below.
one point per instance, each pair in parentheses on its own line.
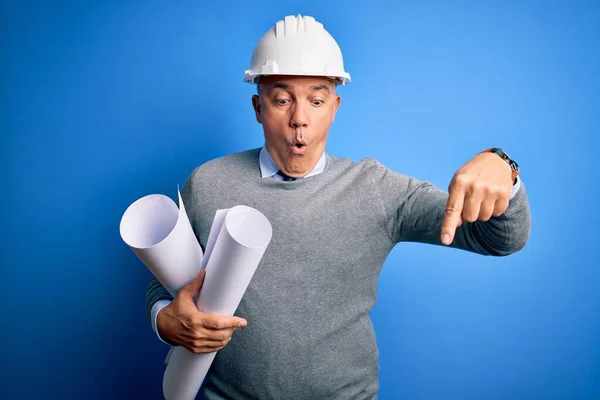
(256,106)
(338,101)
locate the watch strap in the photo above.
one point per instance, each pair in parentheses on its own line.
(512,163)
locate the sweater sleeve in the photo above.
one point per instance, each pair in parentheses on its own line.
(414,212)
(156,291)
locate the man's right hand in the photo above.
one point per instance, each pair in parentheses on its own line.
(182,324)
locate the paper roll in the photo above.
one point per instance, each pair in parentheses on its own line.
(238,249)
(163,239)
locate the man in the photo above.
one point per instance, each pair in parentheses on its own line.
(306,331)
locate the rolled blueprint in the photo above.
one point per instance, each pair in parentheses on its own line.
(161,236)
(241,242)
(163,239)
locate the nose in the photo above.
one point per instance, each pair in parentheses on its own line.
(299,117)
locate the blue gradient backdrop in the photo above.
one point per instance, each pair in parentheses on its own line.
(105,102)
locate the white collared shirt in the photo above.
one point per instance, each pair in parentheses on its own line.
(269,168)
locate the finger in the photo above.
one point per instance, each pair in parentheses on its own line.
(189,290)
(220,334)
(452,213)
(472,205)
(486,209)
(500,206)
(214,321)
(212,344)
(202,346)
(202,349)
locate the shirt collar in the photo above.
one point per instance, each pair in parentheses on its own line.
(269,168)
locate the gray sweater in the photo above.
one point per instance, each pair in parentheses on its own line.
(309,333)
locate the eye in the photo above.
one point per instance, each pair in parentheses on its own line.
(282,102)
(318,103)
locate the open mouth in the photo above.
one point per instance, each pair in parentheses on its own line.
(299,148)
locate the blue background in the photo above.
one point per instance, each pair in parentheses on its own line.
(105,102)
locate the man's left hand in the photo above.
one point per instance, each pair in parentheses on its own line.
(479,190)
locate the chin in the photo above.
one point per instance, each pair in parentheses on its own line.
(299,169)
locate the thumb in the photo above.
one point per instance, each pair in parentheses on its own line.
(193,287)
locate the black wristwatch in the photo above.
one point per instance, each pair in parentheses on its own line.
(513,164)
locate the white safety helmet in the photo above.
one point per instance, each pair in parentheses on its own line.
(297,46)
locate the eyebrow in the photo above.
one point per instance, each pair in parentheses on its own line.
(285,86)
(320,87)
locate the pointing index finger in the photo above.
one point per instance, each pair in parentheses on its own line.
(452,213)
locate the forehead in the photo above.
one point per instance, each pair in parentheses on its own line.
(296,83)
